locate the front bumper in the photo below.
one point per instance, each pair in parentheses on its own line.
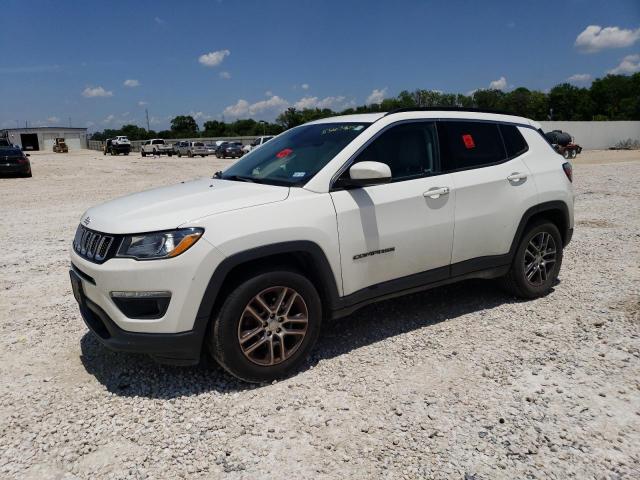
(170,348)
(185,277)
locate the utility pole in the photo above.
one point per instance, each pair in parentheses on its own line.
(146,111)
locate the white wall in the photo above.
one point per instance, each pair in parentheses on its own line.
(597,135)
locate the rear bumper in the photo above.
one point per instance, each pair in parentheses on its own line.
(15,169)
(170,348)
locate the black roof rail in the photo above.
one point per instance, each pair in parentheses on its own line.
(449,109)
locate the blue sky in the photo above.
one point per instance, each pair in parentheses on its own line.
(254,58)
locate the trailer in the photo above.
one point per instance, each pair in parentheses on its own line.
(563,143)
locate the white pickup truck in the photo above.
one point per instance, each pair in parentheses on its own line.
(156,146)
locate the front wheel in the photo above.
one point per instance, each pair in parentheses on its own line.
(537,262)
(143,153)
(574,153)
(566,154)
(267,326)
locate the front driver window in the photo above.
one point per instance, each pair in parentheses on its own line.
(409,149)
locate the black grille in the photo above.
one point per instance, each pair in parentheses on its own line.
(94,246)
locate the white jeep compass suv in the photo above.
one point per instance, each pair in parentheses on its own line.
(321,220)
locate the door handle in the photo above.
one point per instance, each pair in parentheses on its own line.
(436,192)
(516,177)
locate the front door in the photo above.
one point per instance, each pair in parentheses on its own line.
(401,228)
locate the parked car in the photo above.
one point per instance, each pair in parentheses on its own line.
(13,161)
(322,220)
(191,149)
(156,146)
(211,148)
(116,146)
(256,143)
(229,149)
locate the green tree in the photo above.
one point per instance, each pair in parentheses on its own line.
(184,126)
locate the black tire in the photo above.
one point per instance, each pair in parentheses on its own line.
(143,153)
(516,282)
(566,154)
(574,153)
(203,156)
(170,154)
(179,155)
(222,337)
(126,153)
(104,152)
(155,152)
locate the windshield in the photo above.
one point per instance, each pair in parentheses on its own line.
(295,156)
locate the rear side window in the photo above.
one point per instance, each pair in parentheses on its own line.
(465,145)
(513,140)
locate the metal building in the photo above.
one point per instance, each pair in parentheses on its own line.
(42,138)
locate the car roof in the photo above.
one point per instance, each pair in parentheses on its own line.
(407,114)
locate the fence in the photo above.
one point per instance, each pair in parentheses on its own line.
(589,135)
(597,135)
(135,144)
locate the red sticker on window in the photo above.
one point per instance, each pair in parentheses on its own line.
(284,153)
(468,141)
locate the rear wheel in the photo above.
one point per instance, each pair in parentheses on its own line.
(143,153)
(267,326)
(537,261)
(566,154)
(574,153)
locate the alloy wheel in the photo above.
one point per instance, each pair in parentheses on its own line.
(539,258)
(273,325)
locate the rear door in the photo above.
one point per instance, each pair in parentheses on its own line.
(493,189)
(395,230)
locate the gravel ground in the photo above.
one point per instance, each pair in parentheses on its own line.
(459,382)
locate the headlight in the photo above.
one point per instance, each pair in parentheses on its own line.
(148,246)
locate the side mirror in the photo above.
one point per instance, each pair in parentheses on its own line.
(364,174)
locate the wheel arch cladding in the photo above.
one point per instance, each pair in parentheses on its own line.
(304,256)
(556,212)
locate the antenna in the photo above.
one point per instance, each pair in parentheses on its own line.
(146,111)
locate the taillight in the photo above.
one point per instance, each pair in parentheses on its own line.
(568,170)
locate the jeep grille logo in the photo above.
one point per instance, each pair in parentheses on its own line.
(87,221)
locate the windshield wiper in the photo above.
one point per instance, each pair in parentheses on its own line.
(239,178)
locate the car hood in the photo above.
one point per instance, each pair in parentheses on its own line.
(169,207)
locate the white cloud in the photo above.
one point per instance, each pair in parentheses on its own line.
(304,86)
(53,119)
(142,103)
(242,108)
(226,75)
(579,78)
(131,83)
(334,103)
(89,124)
(108,119)
(213,59)
(154,121)
(158,20)
(629,64)
(595,38)
(268,93)
(499,84)
(511,25)
(376,96)
(91,92)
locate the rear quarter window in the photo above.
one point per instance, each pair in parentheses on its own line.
(514,142)
(466,145)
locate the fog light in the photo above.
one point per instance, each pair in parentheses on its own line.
(151,294)
(148,305)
